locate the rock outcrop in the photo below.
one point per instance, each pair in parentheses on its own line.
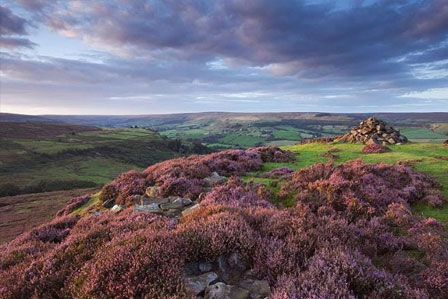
(228,277)
(373,131)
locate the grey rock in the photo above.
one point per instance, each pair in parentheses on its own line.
(176,204)
(214,179)
(236,262)
(191,269)
(205,267)
(197,284)
(151,200)
(151,208)
(223,291)
(258,289)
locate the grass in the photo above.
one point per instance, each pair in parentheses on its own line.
(424,157)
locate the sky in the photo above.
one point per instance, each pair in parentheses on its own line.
(175,56)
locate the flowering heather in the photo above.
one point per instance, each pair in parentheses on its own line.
(278,173)
(184,176)
(273,154)
(351,234)
(375,149)
(235,194)
(73,204)
(355,189)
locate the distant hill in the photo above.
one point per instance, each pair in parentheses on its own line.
(11,117)
(40,129)
(241,130)
(39,157)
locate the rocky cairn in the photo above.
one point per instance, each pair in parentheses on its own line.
(373,131)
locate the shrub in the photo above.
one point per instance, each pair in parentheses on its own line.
(374,149)
(73,204)
(279,173)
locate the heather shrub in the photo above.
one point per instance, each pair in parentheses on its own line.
(350,234)
(108,192)
(184,187)
(235,194)
(278,173)
(273,154)
(356,190)
(375,149)
(73,204)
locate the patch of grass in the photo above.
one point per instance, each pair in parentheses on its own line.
(93,201)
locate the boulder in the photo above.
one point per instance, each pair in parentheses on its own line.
(223,291)
(258,289)
(205,267)
(151,208)
(197,284)
(152,200)
(214,179)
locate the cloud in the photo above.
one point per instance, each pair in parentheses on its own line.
(290,37)
(10,26)
(436,93)
(231,54)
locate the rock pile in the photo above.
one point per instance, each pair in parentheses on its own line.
(373,131)
(226,278)
(172,206)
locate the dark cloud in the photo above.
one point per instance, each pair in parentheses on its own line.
(291,36)
(10,26)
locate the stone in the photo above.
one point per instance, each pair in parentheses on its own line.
(176,204)
(135,200)
(152,191)
(151,208)
(117,208)
(172,213)
(205,267)
(190,210)
(198,284)
(151,200)
(214,179)
(258,289)
(223,291)
(109,203)
(191,269)
(236,261)
(231,267)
